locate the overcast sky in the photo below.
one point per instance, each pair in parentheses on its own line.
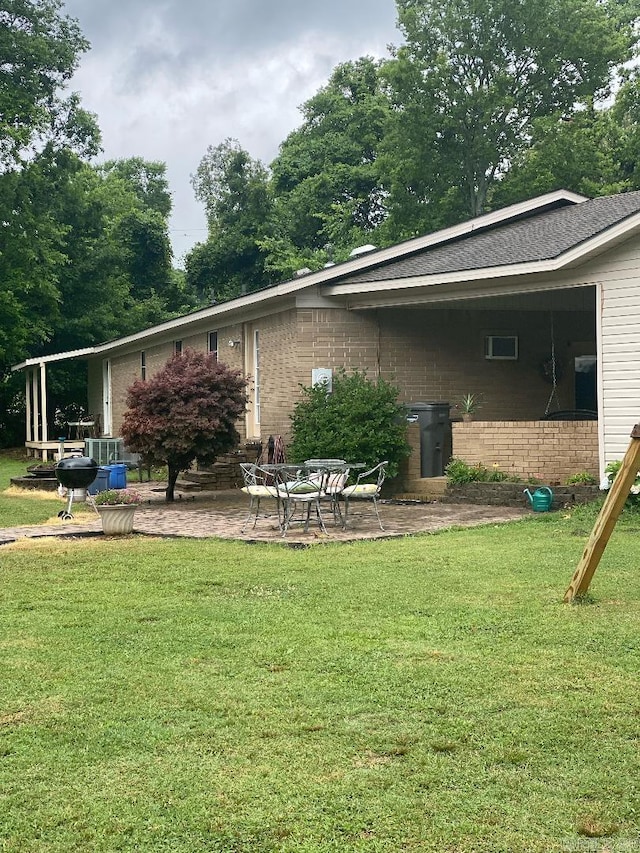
(167,78)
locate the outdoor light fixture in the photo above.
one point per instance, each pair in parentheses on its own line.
(233,343)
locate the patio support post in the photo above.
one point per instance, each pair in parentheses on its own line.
(36,406)
(606,520)
(28,392)
(43,399)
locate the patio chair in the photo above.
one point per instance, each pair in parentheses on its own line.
(337,474)
(259,484)
(305,490)
(367,487)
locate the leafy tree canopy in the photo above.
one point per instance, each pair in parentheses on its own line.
(185,412)
(472,79)
(40,50)
(234,190)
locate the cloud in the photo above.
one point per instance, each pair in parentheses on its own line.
(167,78)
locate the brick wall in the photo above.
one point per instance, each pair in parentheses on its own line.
(438,355)
(549,450)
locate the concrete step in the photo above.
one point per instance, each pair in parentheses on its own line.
(429,488)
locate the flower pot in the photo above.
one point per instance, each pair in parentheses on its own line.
(117,518)
(467,417)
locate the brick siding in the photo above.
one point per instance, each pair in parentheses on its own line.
(551,451)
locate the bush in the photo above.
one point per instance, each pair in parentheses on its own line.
(459,472)
(612,471)
(360,420)
(582,478)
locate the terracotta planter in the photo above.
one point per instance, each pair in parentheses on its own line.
(117,518)
(467,417)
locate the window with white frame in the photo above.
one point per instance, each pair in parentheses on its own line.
(501,347)
(177,347)
(256,373)
(213,345)
(143,365)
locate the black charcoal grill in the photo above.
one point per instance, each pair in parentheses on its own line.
(75,474)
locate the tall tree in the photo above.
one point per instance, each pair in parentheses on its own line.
(472,79)
(234,190)
(40,50)
(583,153)
(326,181)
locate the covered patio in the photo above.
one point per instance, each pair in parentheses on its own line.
(40,442)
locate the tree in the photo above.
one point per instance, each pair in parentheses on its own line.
(187,411)
(472,79)
(584,154)
(234,190)
(359,419)
(147,178)
(40,50)
(325,179)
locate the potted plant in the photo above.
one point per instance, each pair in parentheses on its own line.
(468,406)
(116,508)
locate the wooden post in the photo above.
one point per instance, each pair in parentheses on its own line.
(606,520)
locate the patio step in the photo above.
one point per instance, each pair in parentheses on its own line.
(221,476)
(424,489)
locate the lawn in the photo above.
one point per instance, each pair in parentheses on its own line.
(429,693)
(19,507)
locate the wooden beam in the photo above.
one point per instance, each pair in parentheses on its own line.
(606,520)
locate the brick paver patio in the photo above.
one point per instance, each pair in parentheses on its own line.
(222,514)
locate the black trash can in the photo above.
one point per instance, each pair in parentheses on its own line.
(435,436)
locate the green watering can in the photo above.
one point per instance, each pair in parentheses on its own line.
(541,499)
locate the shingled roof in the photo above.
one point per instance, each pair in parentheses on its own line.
(539,237)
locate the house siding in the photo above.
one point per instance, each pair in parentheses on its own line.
(619,367)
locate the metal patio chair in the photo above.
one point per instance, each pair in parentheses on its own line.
(258,484)
(305,490)
(367,487)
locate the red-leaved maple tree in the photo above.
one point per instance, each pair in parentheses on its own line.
(185,412)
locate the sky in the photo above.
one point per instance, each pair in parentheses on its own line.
(168,78)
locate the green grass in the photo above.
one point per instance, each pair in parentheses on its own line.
(28,507)
(24,507)
(430,693)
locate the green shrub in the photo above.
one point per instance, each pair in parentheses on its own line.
(459,472)
(582,478)
(612,470)
(360,420)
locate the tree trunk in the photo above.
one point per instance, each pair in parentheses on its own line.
(171,484)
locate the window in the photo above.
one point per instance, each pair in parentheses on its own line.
(213,345)
(503,347)
(177,347)
(143,365)
(256,373)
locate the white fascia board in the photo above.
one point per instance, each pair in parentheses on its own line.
(59,356)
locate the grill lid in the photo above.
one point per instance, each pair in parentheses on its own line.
(76,472)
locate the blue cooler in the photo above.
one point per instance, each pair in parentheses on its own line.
(117,476)
(101,482)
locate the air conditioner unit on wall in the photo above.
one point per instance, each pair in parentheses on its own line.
(501,347)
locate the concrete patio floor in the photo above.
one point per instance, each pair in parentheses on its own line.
(221,515)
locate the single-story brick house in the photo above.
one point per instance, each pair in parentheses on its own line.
(495,306)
